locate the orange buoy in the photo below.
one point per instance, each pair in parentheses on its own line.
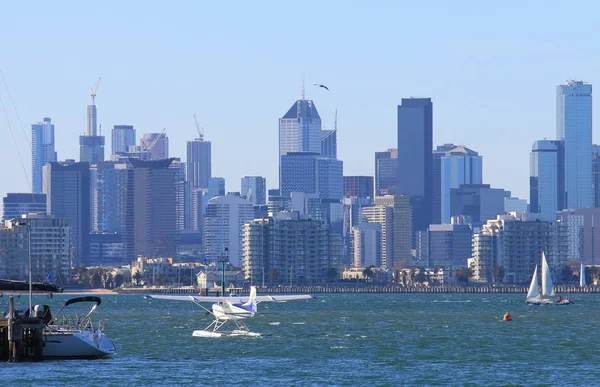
(507,317)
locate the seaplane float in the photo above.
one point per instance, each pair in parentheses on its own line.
(233,309)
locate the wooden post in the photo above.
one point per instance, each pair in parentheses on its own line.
(15,334)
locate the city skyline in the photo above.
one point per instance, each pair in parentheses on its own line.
(470,77)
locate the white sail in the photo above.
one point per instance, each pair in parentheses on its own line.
(533,294)
(582,276)
(547,285)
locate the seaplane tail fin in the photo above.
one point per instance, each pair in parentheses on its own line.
(251,304)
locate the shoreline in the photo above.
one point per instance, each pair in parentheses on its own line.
(560,289)
(317,290)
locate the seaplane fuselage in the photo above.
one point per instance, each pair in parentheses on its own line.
(225,310)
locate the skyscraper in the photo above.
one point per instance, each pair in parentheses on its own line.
(109,197)
(436,185)
(298,173)
(42,151)
(122,137)
(67,189)
(596,174)
(402,213)
(16,204)
(308,173)
(574,126)
(254,188)
(329,144)
(156,145)
(359,186)
(224,227)
(546,181)
(415,147)
(180,194)
(460,165)
(153,198)
(386,172)
(300,130)
(91,145)
(198,173)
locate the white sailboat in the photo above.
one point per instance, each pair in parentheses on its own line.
(582,276)
(75,337)
(71,337)
(545,294)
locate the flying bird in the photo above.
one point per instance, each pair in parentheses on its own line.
(323,86)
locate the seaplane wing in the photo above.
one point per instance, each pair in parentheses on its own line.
(234,309)
(233,300)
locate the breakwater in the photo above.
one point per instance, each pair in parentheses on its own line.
(559,289)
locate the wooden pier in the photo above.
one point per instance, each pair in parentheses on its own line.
(485,289)
(20,337)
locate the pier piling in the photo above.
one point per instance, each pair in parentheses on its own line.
(21,337)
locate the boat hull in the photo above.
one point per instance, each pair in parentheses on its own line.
(549,302)
(77,345)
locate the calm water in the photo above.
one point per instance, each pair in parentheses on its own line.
(363,339)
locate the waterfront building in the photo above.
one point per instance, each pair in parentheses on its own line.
(449,245)
(402,228)
(359,186)
(386,172)
(574,127)
(477,201)
(42,151)
(415,147)
(254,188)
(515,243)
(122,137)
(16,204)
(287,249)
(67,189)
(50,241)
(460,165)
(583,234)
(383,215)
(223,227)
(546,181)
(352,206)
(155,145)
(367,245)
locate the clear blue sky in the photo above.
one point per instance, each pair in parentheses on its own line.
(491,69)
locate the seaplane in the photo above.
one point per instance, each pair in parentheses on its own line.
(233,309)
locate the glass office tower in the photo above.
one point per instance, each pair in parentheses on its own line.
(574,126)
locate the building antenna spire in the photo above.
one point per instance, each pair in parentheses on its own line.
(335,121)
(303,89)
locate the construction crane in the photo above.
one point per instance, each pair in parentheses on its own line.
(199,128)
(155,140)
(94,90)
